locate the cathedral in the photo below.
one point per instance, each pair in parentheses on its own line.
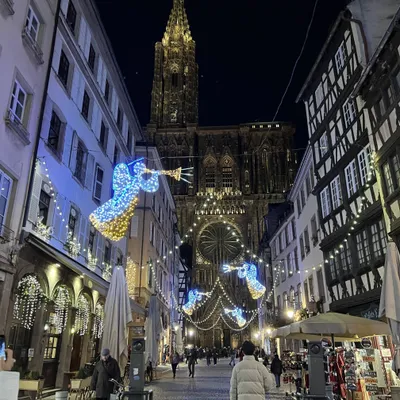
(237,172)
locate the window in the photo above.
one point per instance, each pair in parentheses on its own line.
(92,235)
(349,111)
(80,166)
(71,16)
(364,161)
(312,177)
(86,105)
(314,233)
(351,178)
(323,145)
(53,139)
(319,95)
(302,247)
(336,193)
(174,79)
(325,202)
(103,136)
(63,69)
(18,103)
(72,221)
(283,240)
(364,255)
(210,179)
(321,285)
(308,185)
(296,260)
(340,58)
(293,228)
(289,264)
(92,57)
(98,183)
(119,258)
(107,252)
(150,273)
(303,198)
(227,182)
(119,118)
(298,206)
(345,257)
(107,91)
(396,168)
(129,140)
(44,206)
(5,192)
(306,241)
(285,301)
(378,239)
(151,232)
(388,178)
(289,230)
(32,24)
(116,155)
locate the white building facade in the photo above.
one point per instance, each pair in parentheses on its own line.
(26,32)
(89,125)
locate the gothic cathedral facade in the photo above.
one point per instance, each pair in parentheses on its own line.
(237,172)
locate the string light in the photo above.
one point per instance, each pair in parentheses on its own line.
(44,231)
(113,217)
(72,245)
(29,299)
(98,323)
(237,313)
(62,303)
(107,272)
(131,271)
(82,316)
(249,272)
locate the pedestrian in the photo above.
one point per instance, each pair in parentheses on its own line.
(215,356)
(250,380)
(209,356)
(241,354)
(277,369)
(107,368)
(174,362)
(197,356)
(233,356)
(192,362)
(266,362)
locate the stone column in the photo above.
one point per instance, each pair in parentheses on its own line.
(38,341)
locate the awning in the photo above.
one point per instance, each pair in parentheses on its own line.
(100,284)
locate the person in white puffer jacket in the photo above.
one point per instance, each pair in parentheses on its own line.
(250,379)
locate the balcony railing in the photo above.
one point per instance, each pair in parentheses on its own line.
(14,123)
(33,45)
(6,234)
(8,6)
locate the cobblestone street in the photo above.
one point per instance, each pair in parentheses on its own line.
(209,383)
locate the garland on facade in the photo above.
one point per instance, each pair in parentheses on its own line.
(131,272)
(98,322)
(107,272)
(44,231)
(82,316)
(29,299)
(62,302)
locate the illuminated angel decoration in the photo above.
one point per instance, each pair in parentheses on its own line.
(237,313)
(193,298)
(113,217)
(248,271)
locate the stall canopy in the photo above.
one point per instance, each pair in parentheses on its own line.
(342,326)
(389,306)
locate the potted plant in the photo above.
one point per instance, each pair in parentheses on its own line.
(32,382)
(81,380)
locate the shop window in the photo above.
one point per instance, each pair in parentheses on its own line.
(44,206)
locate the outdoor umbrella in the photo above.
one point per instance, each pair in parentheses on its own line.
(151,328)
(117,315)
(389,304)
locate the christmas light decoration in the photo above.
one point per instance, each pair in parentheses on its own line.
(113,217)
(72,245)
(238,314)
(194,297)
(107,272)
(82,316)
(62,302)
(249,271)
(29,299)
(98,322)
(44,231)
(91,261)
(131,271)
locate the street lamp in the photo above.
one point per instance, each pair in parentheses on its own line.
(191,332)
(290,313)
(269,331)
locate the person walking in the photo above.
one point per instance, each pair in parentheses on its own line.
(250,379)
(233,356)
(174,362)
(277,369)
(209,356)
(192,362)
(215,356)
(107,368)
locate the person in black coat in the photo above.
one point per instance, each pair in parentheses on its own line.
(277,369)
(107,368)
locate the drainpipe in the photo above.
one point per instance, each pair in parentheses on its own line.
(41,114)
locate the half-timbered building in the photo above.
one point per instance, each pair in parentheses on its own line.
(350,212)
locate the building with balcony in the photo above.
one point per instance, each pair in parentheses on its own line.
(26,31)
(89,125)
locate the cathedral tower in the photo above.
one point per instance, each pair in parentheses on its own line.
(175,85)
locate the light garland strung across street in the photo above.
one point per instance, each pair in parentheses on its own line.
(82,316)
(98,323)
(113,217)
(237,313)
(211,313)
(204,329)
(30,298)
(242,328)
(62,303)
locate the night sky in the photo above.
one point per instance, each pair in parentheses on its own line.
(246,50)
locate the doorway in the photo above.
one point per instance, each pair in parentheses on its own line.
(76,353)
(51,358)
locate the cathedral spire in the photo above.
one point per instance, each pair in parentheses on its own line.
(175,84)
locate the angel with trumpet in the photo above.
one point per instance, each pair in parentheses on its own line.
(248,271)
(237,313)
(194,297)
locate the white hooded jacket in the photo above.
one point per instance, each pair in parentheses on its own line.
(250,380)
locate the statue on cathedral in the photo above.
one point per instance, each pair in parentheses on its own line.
(113,217)
(248,271)
(237,313)
(194,297)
